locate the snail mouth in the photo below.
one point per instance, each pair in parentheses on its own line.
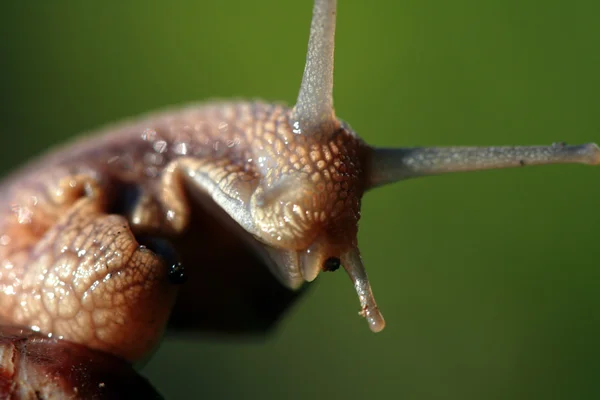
(318,258)
(293,268)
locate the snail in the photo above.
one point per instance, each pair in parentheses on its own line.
(105,242)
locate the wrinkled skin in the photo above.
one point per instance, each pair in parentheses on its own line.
(93,237)
(87,237)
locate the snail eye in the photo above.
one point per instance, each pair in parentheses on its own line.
(177,275)
(331,264)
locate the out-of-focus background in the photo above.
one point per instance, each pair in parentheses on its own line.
(489,282)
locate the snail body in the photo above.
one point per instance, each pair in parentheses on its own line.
(95,237)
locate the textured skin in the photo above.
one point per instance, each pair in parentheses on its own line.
(71,264)
(70,269)
(36,367)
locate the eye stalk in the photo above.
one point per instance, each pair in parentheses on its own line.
(313,111)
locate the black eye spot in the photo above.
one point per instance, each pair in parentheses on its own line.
(331,264)
(177,274)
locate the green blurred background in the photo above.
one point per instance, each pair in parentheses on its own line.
(489,282)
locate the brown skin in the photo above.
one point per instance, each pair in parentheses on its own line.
(33,366)
(75,224)
(88,234)
(234,191)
